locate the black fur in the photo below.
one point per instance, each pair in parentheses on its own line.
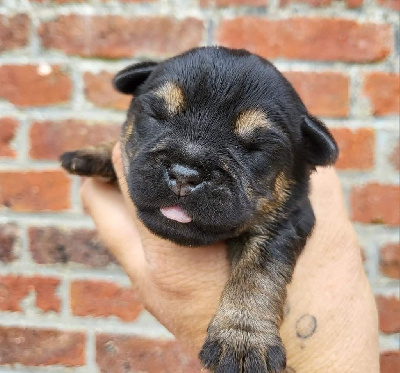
(253,191)
(218,85)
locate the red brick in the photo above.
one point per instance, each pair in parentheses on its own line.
(9,238)
(14,31)
(102,299)
(8,129)
(324,94)
(35,347)
(313,3)
(389,314)
(320,39)
(13,289)
(49,245)
(116,354)
(390,362)
(354,3)
(100,92)
(116,36)
(376,203)
(34,190)
(383,91)
(395,157)
(26,85)
(50,139)
(389,262)
(224,3)
(321,3)
(356,148)
(393,4)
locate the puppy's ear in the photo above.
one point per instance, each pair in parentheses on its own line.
(321,148)
(130,78)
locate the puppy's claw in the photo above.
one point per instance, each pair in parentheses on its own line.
(242,358)
(228,363)
(210,354)
(276,359)
(88,163)
(71,162)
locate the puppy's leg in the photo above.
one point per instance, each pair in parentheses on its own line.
(91,161)
(243,336)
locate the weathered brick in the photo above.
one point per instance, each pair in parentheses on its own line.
(9,237)
(116,36)
(49,245)
(313,3)
(395,157)
(116,354)
(225,3)
(100,92)
(356,148)
(354,3)
(321,39)
(35,347)
(14,31)
(390,362)
(393,4)
(8,129)
(324,94)
(383,91)
(102,299)
(13,289)
(389,260)
(376,203)
(50,139)
(321,3)
(27,85)
(389,314)
(34,190)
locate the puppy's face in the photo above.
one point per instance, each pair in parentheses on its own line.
(213,139)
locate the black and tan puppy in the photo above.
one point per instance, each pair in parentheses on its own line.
(217,145)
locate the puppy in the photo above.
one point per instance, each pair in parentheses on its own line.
(216,146)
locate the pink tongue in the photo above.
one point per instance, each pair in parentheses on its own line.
(176,213)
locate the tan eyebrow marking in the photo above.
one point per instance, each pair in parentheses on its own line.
(249,120)
(173,97)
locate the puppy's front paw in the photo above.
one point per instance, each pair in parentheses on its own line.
(237,351)
(94,161)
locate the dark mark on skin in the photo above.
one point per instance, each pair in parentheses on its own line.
(289,370)
(306,326)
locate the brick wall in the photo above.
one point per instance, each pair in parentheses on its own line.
(56,60)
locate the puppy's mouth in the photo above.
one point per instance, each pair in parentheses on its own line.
(176,213)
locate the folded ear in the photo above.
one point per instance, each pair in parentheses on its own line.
(321,148)
(130,78)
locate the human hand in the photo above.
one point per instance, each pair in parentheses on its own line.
(331,323)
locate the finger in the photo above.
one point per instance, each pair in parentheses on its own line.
(326,191)
(333,228)
(113,220)
(119,170)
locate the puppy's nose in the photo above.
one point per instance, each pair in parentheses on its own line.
(182,180)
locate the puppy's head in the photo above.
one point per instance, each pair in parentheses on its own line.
(213,139)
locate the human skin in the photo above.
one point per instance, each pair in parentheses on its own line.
(330,322)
